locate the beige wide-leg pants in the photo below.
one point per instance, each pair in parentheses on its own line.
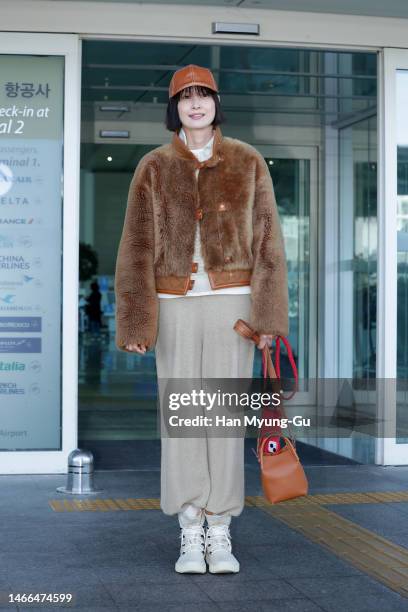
(196,340)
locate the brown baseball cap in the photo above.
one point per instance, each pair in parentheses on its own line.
(191,75)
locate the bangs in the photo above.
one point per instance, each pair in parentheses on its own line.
(199,89)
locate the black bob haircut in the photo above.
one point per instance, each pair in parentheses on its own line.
(173,122)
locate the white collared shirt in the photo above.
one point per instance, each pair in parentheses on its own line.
(201,154)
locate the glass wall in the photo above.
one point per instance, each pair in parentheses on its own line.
(357,254)
(358,250)
(291,179)
(402,257)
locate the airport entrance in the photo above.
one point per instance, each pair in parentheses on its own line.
(313,116)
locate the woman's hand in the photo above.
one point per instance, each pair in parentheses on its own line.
(265,339)
(138,348)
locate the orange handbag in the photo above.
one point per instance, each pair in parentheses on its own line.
(282,474)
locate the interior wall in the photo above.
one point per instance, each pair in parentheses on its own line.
(190,22)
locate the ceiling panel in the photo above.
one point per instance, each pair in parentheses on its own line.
(377,8)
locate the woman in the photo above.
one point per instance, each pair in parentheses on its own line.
(201,228)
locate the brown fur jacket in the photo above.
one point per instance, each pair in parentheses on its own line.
(159,228)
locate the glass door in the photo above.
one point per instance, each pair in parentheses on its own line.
(294,175)
(393,367)
(357,287)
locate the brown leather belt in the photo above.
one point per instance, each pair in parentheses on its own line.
(179,285)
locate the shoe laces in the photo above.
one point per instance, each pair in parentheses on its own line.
(218,538)
(192,538)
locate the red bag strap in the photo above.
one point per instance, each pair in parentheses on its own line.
(245,330)
(269,370)
(291,360)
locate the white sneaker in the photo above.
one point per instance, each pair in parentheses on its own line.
(218,550)
(192,549)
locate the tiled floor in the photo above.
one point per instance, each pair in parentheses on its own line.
(125,560)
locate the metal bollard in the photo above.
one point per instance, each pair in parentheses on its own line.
(80,473)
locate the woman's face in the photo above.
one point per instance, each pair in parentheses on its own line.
(196,110)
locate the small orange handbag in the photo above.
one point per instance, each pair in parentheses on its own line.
(282,474)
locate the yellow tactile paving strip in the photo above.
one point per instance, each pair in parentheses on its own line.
(104,505)
(376,556)
(361,498)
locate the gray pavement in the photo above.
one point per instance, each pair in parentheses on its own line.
(125,560)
